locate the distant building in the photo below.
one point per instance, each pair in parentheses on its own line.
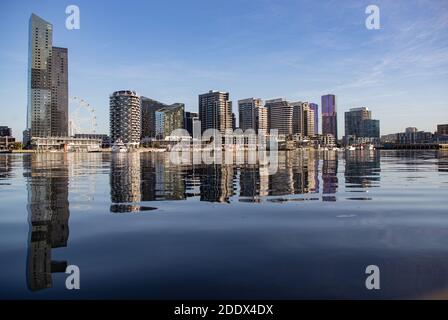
(315,108)
(370,128)
(189,120)
(410,136)
(125,117)
(327,140)
(359,123)
(149,108)
(303,119)
(329,115)
(354,119)
(247,109)
(169,119)
(233,121)
(6,142)
(280,114)
(47,111)
(105,139)
(416,137)
(215,111)
(5,131)
(442,129)
(66,144)
(410,129)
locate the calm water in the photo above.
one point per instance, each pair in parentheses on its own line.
(138,227)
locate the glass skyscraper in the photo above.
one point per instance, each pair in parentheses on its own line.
(329,115)
(47,112)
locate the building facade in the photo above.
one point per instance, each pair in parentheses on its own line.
(261,120)
(125,117)
(315,108)
(247,109)
(370,128)
(280,115)
(354,119)
(359,123)
(303,119)
(47,111)
(329,115)
(5,131)
(442,129)
(169,119)
(59,92)
(105,139)
(215,111)
(149,108)
(190,119)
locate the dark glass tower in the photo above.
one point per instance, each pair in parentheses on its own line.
(47,113)
(329,115)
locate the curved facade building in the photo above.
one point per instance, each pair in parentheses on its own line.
(125,117)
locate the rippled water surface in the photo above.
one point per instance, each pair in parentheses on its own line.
(140,227)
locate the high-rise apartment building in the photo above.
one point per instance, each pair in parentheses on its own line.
(215,111)
(125,117)
(329,115)
(359,123)
(47,111)
(353,120)
(303,119)
(280,114)
(315,108)
(149,108)
(59,92)
(247,112)
(169,119)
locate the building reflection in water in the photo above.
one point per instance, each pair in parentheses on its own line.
(329,176)
(442,160)
(48,210)
(5,168)
(362,169)
(152,177)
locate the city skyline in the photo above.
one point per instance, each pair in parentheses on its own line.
(296,75)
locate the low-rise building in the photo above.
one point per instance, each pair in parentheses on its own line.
(65,144)
(105,139)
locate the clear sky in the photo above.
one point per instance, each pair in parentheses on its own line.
(296,49)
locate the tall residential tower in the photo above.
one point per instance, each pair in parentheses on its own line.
(215,111)
(329,115)
(125,117)
(47,111)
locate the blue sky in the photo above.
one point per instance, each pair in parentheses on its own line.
(174,50)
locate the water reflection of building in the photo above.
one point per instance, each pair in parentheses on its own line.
(254,182)
(442,161)
(296,174)
(5,167)
(125,179)
(362,169)
(48,209)
(217,183)
(161,180)
(329,176)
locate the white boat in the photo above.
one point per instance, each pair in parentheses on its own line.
(119,146)
(351,148)
(370,147)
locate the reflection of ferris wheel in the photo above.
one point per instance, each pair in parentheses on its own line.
(82,116)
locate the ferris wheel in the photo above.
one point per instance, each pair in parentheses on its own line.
(82,116)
